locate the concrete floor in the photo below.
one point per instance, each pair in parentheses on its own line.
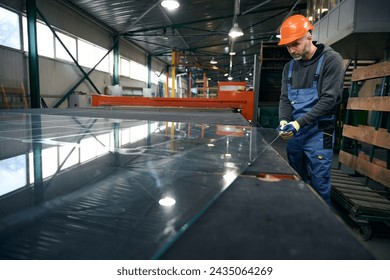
(379,243)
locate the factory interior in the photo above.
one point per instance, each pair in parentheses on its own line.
(130,130)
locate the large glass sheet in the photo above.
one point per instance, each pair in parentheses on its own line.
(129,187)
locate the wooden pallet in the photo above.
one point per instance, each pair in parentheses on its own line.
(363,203)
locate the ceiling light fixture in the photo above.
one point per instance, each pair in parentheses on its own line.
(236,31)
(170,4)
(213,61)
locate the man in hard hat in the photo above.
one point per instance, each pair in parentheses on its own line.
(312,85)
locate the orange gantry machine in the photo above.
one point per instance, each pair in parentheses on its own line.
(230,95)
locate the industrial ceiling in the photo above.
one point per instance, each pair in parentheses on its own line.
(198,29)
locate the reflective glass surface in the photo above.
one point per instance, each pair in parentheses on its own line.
(111,188)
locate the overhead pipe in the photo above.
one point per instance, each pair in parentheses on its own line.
(236,8)
(255,7)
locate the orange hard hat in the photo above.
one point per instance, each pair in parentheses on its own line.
(293,28)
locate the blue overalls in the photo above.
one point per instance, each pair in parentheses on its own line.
(310,151)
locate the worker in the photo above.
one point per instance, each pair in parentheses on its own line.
(312,85)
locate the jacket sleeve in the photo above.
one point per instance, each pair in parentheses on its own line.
(285,108)
(330,89)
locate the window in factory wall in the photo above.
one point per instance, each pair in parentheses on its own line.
(104,65)
(124,67)
(138,71)
(70,44)
(9,29)
(90,54)
(86,55)
(45,40)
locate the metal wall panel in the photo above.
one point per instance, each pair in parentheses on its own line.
(13,62)
(372,16)
(63,18)
(357,29)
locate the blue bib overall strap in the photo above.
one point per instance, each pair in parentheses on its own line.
(310,152)
(302,100)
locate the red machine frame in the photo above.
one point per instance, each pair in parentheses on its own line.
(230,95)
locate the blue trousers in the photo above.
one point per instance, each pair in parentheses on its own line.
(310,153)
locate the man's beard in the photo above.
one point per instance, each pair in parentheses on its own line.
(297,57)
(304,53)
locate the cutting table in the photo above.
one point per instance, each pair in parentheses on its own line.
(156,183)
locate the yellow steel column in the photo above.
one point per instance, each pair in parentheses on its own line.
(167,85)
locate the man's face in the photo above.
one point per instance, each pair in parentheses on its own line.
(299,49)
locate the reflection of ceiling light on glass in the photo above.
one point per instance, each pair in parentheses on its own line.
(213,61)
(226,74)
(278,36)
(236,31)
(210,145)
(167,201)
(170,4)
(232,53)
(230,164)
(230,176)
(230,78)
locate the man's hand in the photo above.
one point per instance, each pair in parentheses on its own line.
(282,124)
(292,126)
(288,130)
(282,134)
